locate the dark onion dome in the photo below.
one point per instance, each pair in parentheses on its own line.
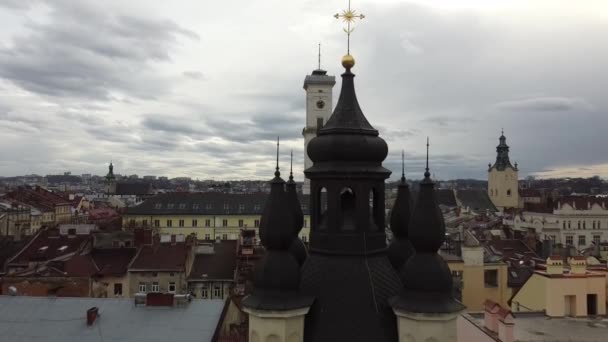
(426,277)
(502,155)
(277,274)
(400,249)
(297,248)
(347,136)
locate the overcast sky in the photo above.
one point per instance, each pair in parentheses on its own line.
(201,88)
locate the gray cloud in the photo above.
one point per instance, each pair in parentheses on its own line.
(195,75)
(544,104)
(84,51)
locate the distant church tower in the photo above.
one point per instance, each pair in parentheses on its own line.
(110,181)
(503,187)
(318,87)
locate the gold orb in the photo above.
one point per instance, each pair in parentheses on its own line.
(348,61)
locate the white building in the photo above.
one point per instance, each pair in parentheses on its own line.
(575,221)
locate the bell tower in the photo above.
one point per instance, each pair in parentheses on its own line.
(503,183)
(318,86)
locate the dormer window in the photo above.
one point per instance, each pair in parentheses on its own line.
(256,207)
(62,248)
(43,249)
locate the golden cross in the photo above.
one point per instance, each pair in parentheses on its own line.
(348,16)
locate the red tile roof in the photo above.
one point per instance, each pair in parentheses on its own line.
(39,198)
(161,257)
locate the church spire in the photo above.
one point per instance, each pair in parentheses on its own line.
(400,249)
(277,233)
(297,248)
(426,277)
(502,154)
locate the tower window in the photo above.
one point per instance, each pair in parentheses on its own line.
(348,207)
(319,123)
(509,192)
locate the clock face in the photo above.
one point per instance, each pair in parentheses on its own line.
(320,104)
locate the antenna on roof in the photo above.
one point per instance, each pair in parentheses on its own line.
(291,165)
(319,56)
(402,166)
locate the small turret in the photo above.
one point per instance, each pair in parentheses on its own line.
(400,249)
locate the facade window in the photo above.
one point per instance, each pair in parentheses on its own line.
(596,239)
(172,286)
(194,223)
(241,207)
(144,223)
(256,223)
(169,223)
(569,225)
(564,224)
(204,292)
(226,206)
(584,224)
(208,206)
(569,240)
(490,278)
(457,274)
(599,226)
(579,224)
(195,206)
(182,205)
(155,287)
(170,206)
(224,223)
(207,237)
(304,207)
(304,238)
(581,240)
(158,205)
(142,288)
(156,223)
(217,291)
(552,237)
(207,223)
(241,223)
(224,236)
(181,223)
(305,223)
(118,289)
(509,192)
(593,225)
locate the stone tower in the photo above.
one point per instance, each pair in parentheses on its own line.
(318,87)
(110,181)
(503,187)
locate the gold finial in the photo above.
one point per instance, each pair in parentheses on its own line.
(348,16)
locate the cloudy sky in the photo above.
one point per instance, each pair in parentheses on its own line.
(201,88)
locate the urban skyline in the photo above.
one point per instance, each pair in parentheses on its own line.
(157,90)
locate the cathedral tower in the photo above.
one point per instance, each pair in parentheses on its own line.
(503,187)
(318,86)
(110,181)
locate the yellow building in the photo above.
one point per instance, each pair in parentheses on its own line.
(576,292)
(503,186)
(479,280)
(209,216)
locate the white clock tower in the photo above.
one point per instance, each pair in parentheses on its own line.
(318,86)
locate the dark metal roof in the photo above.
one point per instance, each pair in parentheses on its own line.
(477,200)
(133,188)
(161,257)
(206,203)
(219,265)
(400,249)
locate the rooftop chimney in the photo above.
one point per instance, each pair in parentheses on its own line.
(92,314)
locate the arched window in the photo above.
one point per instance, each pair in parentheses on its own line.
(564,224)
(593,224)
(322,205)
(348,208)
(373,208)
(579,224)
(569,226)
(584,224)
